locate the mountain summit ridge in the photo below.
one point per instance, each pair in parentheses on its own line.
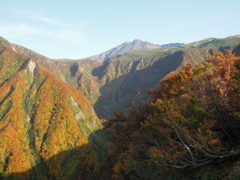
(127,46)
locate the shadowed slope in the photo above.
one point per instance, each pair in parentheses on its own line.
(77,163)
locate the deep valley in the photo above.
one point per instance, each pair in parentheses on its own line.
(137,111)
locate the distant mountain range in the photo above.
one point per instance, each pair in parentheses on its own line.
(123,80)
(48,125)
(129,46)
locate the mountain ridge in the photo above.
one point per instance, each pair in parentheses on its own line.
(48,127)
(128,46)
(106,84)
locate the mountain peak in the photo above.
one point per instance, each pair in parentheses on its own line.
(123,48)
(138,40)
(136,44)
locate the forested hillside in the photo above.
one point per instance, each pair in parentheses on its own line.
(41,117)
(189,130)
(179,120)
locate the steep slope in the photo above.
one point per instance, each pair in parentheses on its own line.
(126,82)
(48,63)
(30,53)
(40,117)
(126,78)
(83,79)
(123,80)
(129,46)
(190,129)
(76,73)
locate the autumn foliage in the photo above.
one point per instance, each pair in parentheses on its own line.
(44,122)
(192,121)
(48,128)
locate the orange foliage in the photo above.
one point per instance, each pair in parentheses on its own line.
(193,120)
(37,122)
(13,134)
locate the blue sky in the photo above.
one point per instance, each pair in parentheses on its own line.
(77,29)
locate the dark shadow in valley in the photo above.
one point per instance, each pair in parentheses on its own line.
(100,71)
(131,89)
(78,163)
(237,50)
(74,69)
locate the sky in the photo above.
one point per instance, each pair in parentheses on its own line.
(76,29)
